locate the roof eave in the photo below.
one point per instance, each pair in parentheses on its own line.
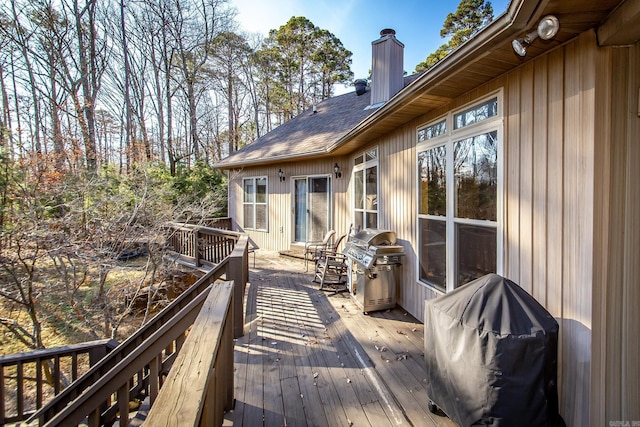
(270,160)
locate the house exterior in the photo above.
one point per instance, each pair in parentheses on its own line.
(489,161)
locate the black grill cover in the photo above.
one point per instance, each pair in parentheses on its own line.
(491,355)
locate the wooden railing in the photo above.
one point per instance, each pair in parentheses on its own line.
(137,367)
(43,373)
(225,223)
(199,246)
(204,367)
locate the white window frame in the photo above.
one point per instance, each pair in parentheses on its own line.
(362,167)
(448,139)
(254,203)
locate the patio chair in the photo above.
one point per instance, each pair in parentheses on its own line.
(332,272)
(312,250)
(331,268)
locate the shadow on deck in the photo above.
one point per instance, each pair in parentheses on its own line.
(309,358)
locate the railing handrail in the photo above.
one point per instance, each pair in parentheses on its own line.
(37,359)
(49,353)
(108,363)
(101,368)
(126,368)
(210,230)
(203,366)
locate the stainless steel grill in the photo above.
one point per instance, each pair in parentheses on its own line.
(374,270)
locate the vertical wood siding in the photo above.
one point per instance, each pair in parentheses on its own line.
(571,203)
(279,235)
(630,342)
(616,371)
(550,128)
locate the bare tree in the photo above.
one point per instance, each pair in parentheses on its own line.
(193,28)
(21,35)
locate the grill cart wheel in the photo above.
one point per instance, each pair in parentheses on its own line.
(433,408)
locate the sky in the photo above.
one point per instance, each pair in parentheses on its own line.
(358,22)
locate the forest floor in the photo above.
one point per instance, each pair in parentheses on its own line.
(84,316)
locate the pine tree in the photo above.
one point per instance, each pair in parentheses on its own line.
(468,19)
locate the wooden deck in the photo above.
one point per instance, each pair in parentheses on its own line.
(309,358)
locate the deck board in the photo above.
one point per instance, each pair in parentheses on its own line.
(309,358)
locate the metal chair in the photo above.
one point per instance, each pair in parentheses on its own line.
(312,250)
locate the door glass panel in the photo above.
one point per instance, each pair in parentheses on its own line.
(372,188)
(318,200)
(358,220)
(300,210)
(358,182)
(372,220)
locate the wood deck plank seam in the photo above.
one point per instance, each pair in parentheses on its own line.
(273,402)
(309,393)
(398,379)
(330,403)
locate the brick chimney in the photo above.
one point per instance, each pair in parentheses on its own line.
(387,75)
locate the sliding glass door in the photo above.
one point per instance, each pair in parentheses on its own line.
(312,208)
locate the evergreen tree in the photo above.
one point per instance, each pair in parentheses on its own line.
(468,19)
(304,62)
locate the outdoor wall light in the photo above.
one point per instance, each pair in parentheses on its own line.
(547,29)
(336,170)
(281,175)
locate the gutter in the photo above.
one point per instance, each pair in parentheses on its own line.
(288,157)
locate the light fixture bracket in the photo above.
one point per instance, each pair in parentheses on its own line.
(336,171)
(547,28)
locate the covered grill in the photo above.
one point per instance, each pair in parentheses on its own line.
(374,270)
(491,356)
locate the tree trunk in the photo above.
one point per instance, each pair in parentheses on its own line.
(37,146)
(127,73)
(88,79)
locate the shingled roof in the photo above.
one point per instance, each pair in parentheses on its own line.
(308,134)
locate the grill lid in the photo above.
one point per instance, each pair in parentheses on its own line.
(372,246)
(375,237)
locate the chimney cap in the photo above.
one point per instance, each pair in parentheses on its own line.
(361,86)
(387,32)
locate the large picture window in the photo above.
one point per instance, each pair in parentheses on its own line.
(459,172)
(365,178)
(255,203)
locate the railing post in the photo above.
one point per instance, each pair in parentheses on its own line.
(196,246)
(97,353)
(2,395)
(236,274)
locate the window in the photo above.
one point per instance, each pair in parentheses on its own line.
(255,203)
(459,172)
(365,180)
